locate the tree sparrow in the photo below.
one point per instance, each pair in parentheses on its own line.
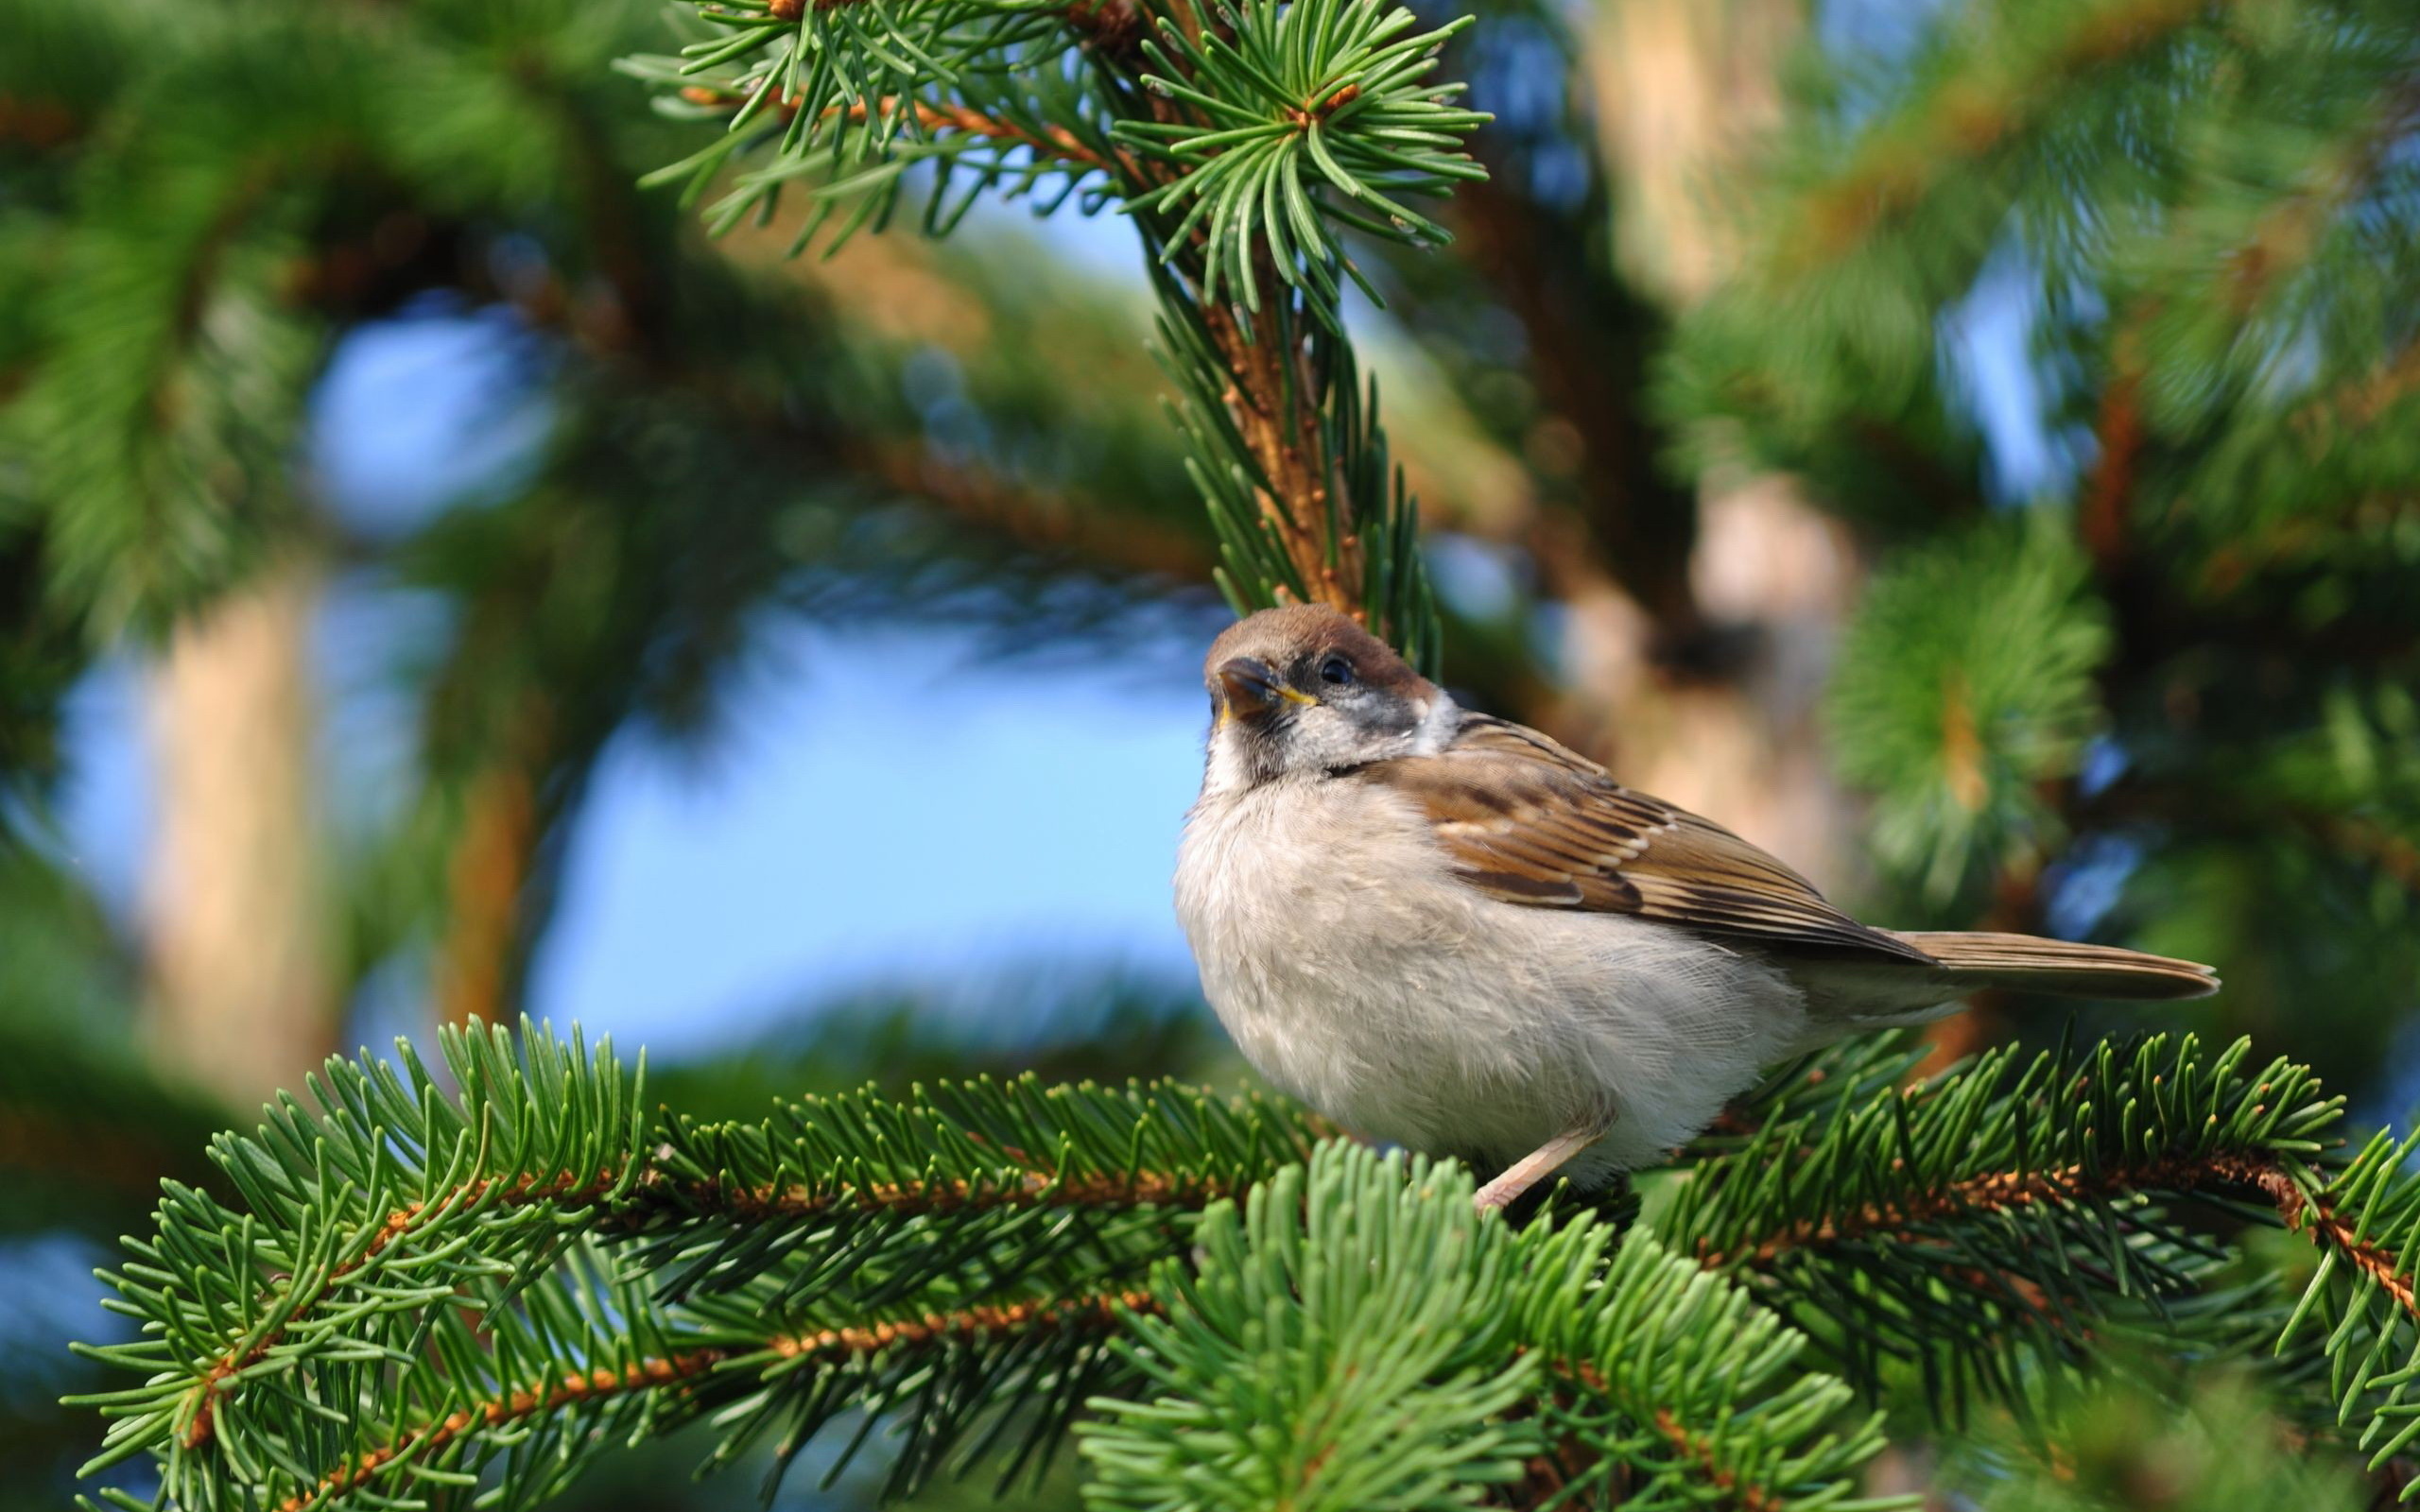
(1446,931)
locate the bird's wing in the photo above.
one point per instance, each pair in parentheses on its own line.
(1525,820)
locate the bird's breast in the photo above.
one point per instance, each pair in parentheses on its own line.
(1348,964)
(1356,972)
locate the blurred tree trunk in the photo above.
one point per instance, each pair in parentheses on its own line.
(1719,715)
(491,873)
(244,992)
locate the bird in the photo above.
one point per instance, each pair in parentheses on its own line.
(1447,931)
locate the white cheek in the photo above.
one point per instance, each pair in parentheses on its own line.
(1436,727)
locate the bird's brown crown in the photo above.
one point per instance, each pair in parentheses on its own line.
(1297,638)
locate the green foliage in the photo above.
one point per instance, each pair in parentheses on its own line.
(2367,1325)
(1239,141)
(416,1286)
(354,1298)
(217,200)
(849,98)
(2202,219)
(1380,537)
(1966,685)
(86,1127)
(1328,94)
(1346,1311)
(2121,1449)
(2006,1224)
(1354,1333)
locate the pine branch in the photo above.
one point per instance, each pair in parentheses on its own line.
(1048,523)
(2293,230)
(453,1280)
(1242,149)
(1354,1335)
(1965,117)
(1962,731)
(1290,457)
(572,1191)
(416,1283)
(1979,1224)
(2224,1446)
(1053,141)
(2005,1222)
(686,1370)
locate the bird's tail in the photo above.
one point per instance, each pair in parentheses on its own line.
(2061,969)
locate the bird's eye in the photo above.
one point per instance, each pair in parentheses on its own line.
(1337,672)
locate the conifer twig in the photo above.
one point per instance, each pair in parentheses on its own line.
(1960,124)
(765,1203)
(523,1191)
(683,1368)
(1055,142)
(2002,1191)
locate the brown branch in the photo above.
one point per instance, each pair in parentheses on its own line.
(1965,121)
(2292,230)
(1271,392)
(2302,1213)
(1034,1189)
(1139,1189)
(523,1191)
(1054,141)
(1101,1312)
(2005,1191)
(1746,1495)
(1561,1468)
(38,123)
(488,869)
(1036,522)
(2109,493)
(1994,1192)
(1270,397)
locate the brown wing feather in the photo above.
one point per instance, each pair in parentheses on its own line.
(1529,821)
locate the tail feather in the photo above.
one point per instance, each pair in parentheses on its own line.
(2060,968)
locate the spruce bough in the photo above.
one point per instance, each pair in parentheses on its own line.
(411,1290)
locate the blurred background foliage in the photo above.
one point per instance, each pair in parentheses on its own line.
(1970,447)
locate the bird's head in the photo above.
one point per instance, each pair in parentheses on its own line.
(1303,690)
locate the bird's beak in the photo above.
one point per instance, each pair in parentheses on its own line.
(1247,689)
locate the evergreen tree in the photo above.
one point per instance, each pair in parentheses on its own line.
(2182,673)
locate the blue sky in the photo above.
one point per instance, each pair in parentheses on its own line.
(886,802)
(898,807)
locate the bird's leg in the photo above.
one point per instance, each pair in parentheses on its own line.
(1534,1167)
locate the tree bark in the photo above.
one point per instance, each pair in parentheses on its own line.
(244,990)
(1728,726)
